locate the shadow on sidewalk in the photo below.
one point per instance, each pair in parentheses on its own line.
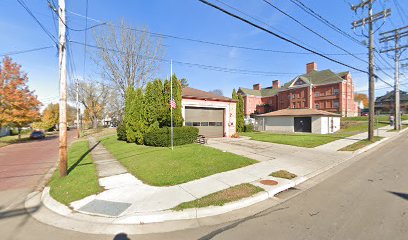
(18,212)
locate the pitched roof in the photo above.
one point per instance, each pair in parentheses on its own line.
(318,78)
(193,93)
(264,92)
(389,97)
(298,112)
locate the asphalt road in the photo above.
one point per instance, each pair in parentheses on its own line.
(366,198)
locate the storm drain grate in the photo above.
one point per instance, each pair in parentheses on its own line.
(105,207)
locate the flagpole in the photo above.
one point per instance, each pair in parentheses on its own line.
(171,98)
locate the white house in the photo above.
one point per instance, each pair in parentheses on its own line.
(298,120)
(213,115)
(4,131)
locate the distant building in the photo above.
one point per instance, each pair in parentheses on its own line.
(322,90)
(385,104)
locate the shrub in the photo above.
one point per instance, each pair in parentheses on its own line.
(161,137)
(248,128)
(121,131)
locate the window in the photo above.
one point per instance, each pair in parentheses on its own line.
(218,124)
(189,124)
(317,106)
(294,105)
(336,91)
(335,104)
(204,124)
(294,96)
(289,96)
(317,94)
(196,124)
(211,124)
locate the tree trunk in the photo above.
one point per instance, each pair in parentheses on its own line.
(19,133)
(94,123)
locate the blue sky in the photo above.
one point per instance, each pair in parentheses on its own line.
(192,19)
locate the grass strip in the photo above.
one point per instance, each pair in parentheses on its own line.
(220,198)
(82,178)
(360,144)
(283,174)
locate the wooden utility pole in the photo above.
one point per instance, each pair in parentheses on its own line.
(371,78)
(395,35)
(77,110)
(63,155)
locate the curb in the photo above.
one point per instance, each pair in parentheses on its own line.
(51,212)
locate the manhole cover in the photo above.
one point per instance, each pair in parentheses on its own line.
(268,182)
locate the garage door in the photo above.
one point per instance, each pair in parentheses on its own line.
(209,121)
(303,124)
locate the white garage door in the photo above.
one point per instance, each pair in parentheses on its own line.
(209,121)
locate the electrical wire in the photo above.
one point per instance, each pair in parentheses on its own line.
(25,51)
(279,36)
(313,31)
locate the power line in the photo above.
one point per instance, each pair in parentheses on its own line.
(313,31)
(203,66)
(163,35)
(400,11)
(23,4)
(279,36)
(25,51)
(316,15)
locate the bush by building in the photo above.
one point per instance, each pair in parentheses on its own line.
(162,137)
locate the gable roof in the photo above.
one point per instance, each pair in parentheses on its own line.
(264,92)
(318,78)
(389,97)
(188,92)
(298,112)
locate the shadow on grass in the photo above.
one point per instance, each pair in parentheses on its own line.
(73,166)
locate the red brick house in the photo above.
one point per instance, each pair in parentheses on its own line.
(323,90)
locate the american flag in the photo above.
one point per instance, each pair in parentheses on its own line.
(173,103)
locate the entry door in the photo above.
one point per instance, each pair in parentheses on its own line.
(303,124)
(209,121)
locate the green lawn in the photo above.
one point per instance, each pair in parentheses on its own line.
(220,198)
(7,140)
(360,144)
(348,128)
(159,166)
(299,140)
(82,179)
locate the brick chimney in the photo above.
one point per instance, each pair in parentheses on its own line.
(257,86)
(275,84)
(310,67)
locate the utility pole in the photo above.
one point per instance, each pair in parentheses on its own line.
(395,35)
(63,155)
(371,78)
(77,109)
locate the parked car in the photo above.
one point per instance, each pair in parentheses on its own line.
(37,134)
(364,112)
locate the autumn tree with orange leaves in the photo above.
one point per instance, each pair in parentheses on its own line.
(18,105)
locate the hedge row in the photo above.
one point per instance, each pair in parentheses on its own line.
(161,137)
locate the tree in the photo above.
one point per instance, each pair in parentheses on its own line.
(177,115)
(134,116)
(240,111)
(154,106)
(93,96)
(217,92)
(362,97)
(18,105)
(50,116)
(127,58)
(184,82)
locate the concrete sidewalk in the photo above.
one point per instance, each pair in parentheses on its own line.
(127,200)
